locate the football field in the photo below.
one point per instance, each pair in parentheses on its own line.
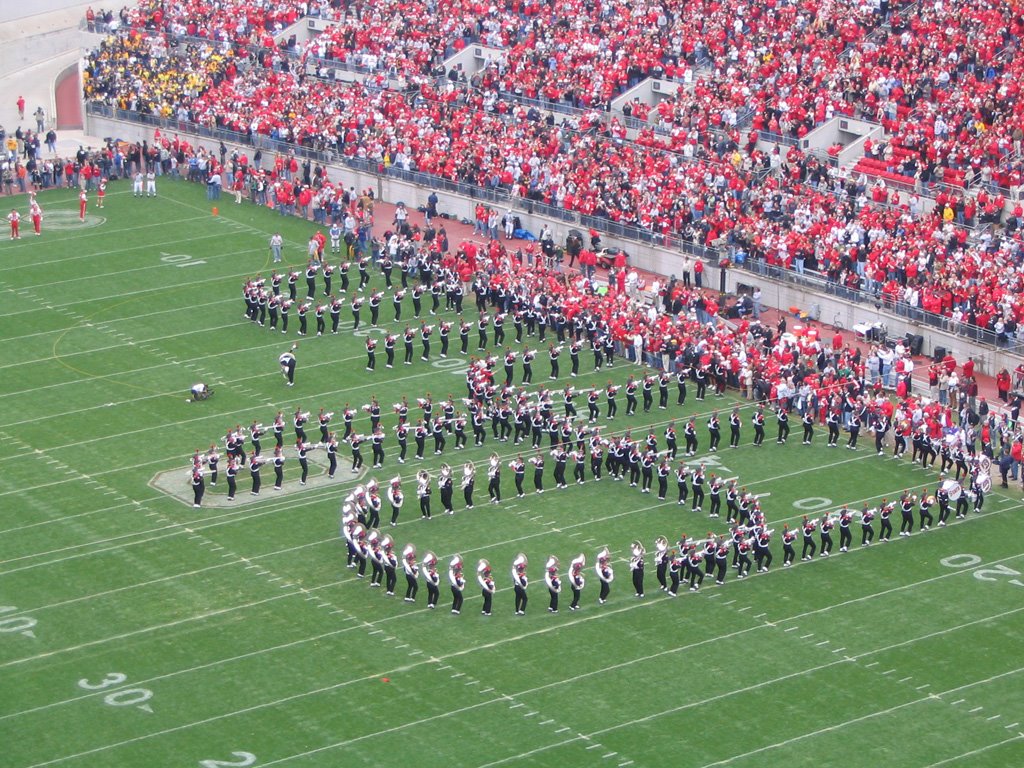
(136,630)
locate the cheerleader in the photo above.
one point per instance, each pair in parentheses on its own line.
(423,492)
(395,499)
(468,483)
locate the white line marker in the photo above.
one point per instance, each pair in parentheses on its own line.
(823,642)
(994,717)
(809,634)
(888,671)
(794,629)
(976,709)
(958,701)
(872,664)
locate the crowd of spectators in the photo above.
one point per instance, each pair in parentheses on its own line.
(941,78)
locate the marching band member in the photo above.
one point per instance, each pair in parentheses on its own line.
(255,463)
(554,584)
(907,501)
(576,580)
(390,562)
(231,474)
(287,363)
(395,498)
(825,532)
(412,572)
(743,548)
(605,574)
(198,486)
(376,556)
(762,551)
(867,530)
(362,551)
(924,506)
(445,484)
(788,553)
(675,565)
(734,428)
(468,482)
(694,561)
(845,534)
(302,449)
(636,567)
(487,587)
(538,472)
(520,582)
(661,560)
(457,581)
(432,578)
(885,510)
(423,493)
(808,527)
(494,478)
(721,561)
(278,460)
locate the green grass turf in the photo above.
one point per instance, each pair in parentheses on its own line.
(237,635)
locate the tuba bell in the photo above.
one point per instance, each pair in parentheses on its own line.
(409,553)
(483,567)
(456,563)
(552,564)
(638,549)
(520,563)
(603,556)
(577,564)
(661,544)
(387,543)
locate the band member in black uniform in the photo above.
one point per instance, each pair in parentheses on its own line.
(412,572)
(714,431)
(605,574)
(825,532)
(279,460)
(694,567)
(231,474)
(782,417)
(762,550)
(574,358)
(845,534)
(278,430)
(355,442)
(924,506)
(376,557)
(810,547)
(287,363)
(758,421)
(734,428)
(390,566)
(697,481)
(788,553)
(884,513)
(631,387)
(423,491)
(636,568)
(854,430)
(675,566)
(907,511)
(743,549)
(721,561)
(682,374)
(867,529)
(538,472)
(486,581)
(520,581)
(198,487)
(661,560)
(553,582)
(832,421)
(663,381)
(255,463)
(682,472)
(576,580)
(457,582)
(701,374)
(664,470)
(432,579)
(808,422)
(690,435)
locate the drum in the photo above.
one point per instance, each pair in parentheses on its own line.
(985,464)
(985,482)
(953,489)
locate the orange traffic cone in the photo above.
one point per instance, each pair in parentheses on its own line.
(216,210)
